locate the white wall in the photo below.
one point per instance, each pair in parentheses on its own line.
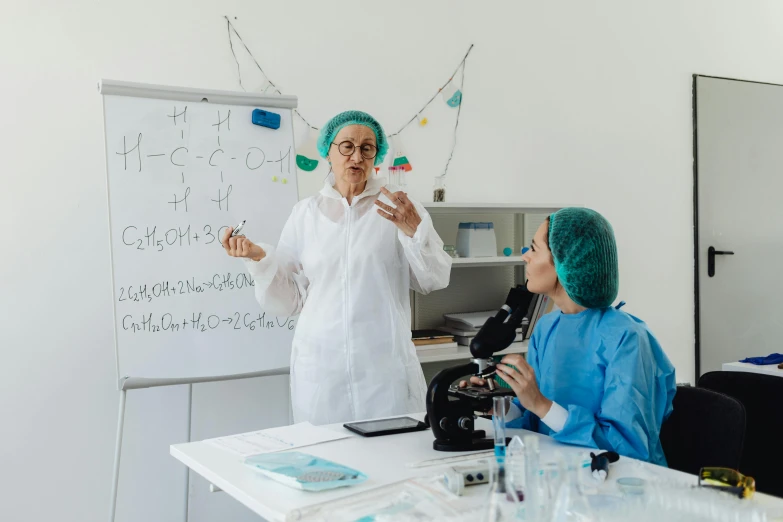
(583,102)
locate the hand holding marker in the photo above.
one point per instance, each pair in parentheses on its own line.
(237,245)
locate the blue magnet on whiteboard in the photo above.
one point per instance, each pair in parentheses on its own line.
(507,251)
(524,249)
(266,119)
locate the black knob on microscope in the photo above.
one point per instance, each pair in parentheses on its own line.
(466,423)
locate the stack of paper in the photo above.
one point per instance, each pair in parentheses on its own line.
(468,321)
(276,439)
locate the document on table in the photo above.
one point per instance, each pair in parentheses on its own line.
(276,439)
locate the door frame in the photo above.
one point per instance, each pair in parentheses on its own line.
(697,304)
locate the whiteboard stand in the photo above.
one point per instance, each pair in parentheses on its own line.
(139,102)
(138,383)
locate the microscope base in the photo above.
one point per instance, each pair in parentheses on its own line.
(477,444)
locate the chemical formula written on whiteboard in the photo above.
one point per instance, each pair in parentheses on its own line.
(158,239)
(218,161)
(201,322)
(146,293)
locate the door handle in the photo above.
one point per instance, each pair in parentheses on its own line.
(711,253)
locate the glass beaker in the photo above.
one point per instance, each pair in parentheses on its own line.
(439,189)
(501,504)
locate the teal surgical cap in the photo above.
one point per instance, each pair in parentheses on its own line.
(336,124)
(585,255)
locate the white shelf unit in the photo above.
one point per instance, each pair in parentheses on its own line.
(476,283)
(463,353)
(491,208)
(472,262)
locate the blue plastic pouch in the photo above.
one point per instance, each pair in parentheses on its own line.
(303,471)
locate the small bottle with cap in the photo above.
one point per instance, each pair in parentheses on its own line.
(439,190)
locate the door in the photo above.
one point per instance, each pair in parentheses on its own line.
(738,184)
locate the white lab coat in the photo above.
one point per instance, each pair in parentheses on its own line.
(348,272)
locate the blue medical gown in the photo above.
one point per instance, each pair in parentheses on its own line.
(608,370)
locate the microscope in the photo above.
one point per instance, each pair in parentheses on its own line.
(451,410)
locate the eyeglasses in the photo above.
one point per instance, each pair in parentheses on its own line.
(367,151)
(729,480)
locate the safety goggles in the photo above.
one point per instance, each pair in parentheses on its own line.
(729,480)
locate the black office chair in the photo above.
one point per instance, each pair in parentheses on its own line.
(706,428)
(761,395)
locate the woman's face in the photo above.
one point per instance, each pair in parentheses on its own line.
(540,267)
(353,169)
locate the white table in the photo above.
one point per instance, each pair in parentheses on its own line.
(383,460)
(766,369)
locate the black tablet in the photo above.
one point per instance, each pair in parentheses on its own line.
(378,427)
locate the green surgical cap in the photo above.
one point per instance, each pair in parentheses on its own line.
(585,255)
(336,124)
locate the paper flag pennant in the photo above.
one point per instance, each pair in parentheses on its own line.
(402,161)
(452,95)
(455,100)
(307,153)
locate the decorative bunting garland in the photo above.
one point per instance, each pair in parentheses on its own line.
(307,157)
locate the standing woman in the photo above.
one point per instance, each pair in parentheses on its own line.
(346,261)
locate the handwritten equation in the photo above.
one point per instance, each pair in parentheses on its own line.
(200,322)
(217,283)
(153,238)
(219,161)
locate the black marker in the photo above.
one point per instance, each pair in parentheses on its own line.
(238,228)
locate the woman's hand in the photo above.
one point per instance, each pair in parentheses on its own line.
(476,381)
(523,382)
(240,246)
(403,213)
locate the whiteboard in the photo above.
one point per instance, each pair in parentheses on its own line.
(182,165)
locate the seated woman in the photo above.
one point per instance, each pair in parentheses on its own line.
(594,375)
